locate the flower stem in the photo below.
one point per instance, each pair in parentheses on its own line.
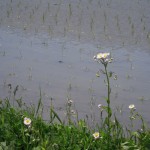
(108,103)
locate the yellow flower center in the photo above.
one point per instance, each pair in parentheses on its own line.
(27,121)
(96,135)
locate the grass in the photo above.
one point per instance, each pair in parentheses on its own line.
(23,128)
(58,135)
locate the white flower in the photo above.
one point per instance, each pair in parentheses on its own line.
(70,102)
(96,135)
(73,112)
(104,58)
(27,121)
(131,106)
(102,55)
(99,105)
(132,117)
(115,77)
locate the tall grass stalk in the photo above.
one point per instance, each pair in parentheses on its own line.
(108,102)
(39,104)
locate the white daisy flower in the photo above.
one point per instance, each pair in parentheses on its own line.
(102,55)
(96,135)
(99,105)
(27,121)
(132,106)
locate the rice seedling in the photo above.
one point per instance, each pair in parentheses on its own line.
(132,29)
(56,18)
(31,16)
(57,13)
(129,19)
(3,53)
(67,25)
(8,13)
(70,10)
(141,98)
(79,34)
(105,17)
(79,4)
(48,6)
(64,32)
(19,4)
(91,27)
(144,28)
(80,24)
(50,30)
(117,20)
(148,35)
(109,3)
(99,3)
(90,1)
(105,30)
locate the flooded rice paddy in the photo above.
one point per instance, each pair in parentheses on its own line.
(50,44)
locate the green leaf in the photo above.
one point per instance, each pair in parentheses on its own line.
(38,148)
(107,109)
(3,146)
(110,74)
(39,103)
(54,115)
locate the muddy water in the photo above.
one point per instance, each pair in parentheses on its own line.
(50,44)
